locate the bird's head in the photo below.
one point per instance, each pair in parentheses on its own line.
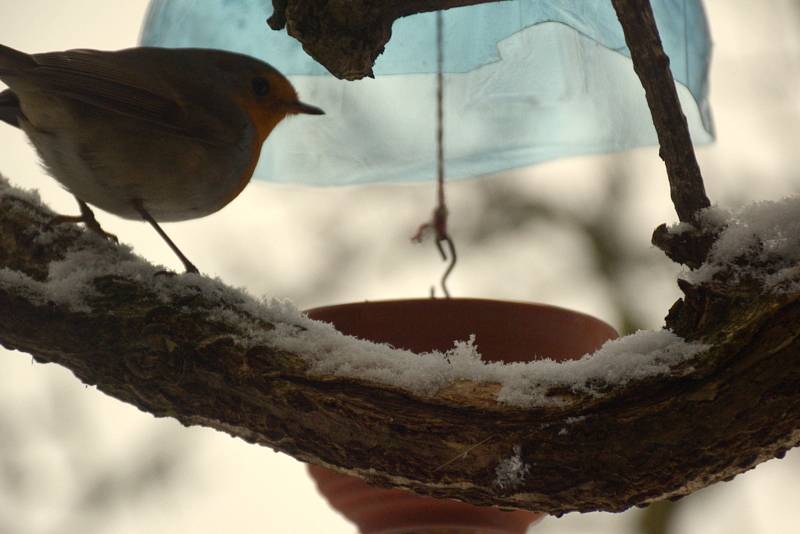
(265,94)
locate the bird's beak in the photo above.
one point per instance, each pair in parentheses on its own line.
(300,107)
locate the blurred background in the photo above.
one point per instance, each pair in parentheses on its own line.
(573,233)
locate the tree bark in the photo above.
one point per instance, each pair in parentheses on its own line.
(738,404)
(347,36)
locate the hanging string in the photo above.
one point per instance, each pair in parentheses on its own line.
(440,108)
(439,220)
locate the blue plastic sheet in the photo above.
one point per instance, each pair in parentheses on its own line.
(526,81)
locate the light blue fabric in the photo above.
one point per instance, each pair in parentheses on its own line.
(527,81)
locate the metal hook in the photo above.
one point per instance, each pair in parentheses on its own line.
(453,258)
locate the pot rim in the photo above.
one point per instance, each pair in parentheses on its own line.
(464,300)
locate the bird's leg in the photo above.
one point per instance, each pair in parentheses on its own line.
(87,218)
(189,266)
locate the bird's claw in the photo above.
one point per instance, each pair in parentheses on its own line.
(87,218)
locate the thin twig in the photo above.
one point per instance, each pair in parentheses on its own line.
(464,453)
(651,64)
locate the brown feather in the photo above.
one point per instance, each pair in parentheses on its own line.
(114,82)
(101,79)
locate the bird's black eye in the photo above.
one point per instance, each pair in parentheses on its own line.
(260,86)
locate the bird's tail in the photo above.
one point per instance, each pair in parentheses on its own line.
(12,61)
(9,108)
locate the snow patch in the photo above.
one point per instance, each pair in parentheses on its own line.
(767,233)
(511,472)
(573,420)
(30,196)
(279,324)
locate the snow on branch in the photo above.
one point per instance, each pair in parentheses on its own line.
(760,242)
(70,283)
(645,417)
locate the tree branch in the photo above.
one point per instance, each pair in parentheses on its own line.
(189,348)
(652,66)
(347,36)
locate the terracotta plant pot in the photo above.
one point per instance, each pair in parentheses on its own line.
(505,331)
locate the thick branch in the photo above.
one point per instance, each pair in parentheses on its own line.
(347,36)
(188,348)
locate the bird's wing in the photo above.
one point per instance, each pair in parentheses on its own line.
(116,82)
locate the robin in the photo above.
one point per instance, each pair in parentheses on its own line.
(146,133)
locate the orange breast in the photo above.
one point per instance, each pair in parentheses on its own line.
(264,121)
